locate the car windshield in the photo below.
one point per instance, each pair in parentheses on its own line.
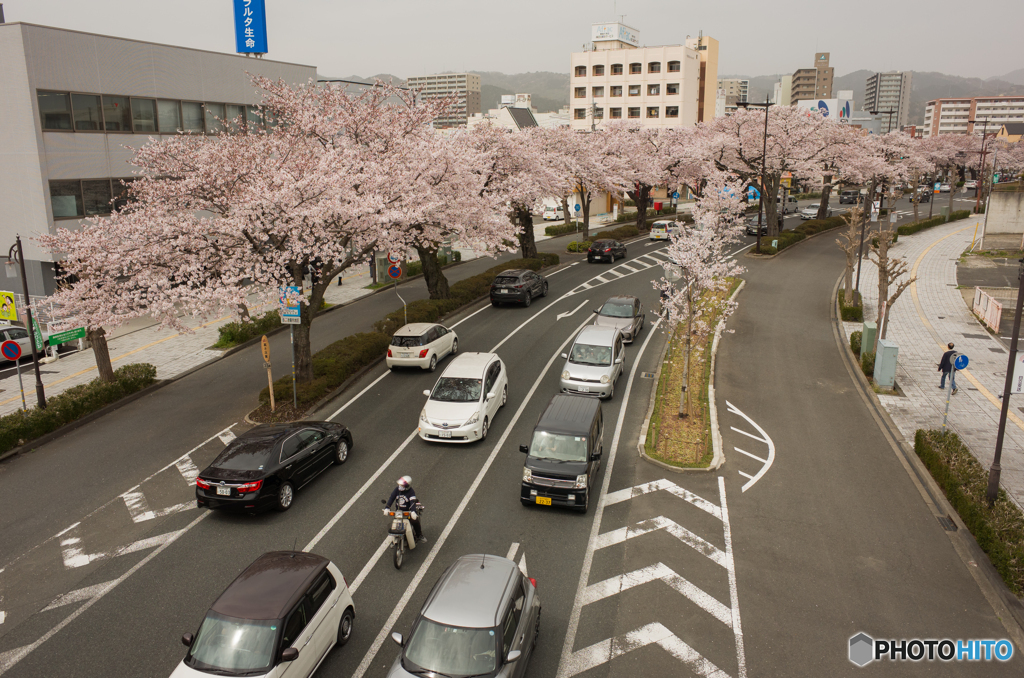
(228,644)
(457,390)
(617,309)
(558,447)
(451,650)
(245,454)
(586,354)
(408,342)
(506,280)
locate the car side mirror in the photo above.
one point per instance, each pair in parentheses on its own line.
(565,356)
(427,393)
(490,395)
(397,637)
(524,449)
(187,639)
(595,456)
(512,656)
(618,361)
(597,311)
(289,654)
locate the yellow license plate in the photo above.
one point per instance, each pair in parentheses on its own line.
(546,501)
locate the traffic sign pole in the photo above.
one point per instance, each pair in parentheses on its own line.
(12,351)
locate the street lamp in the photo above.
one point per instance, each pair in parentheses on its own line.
(764,157)
(981,168)
(16,256)
(994,471)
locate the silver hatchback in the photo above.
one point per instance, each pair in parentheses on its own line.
(481,618)
(594,362)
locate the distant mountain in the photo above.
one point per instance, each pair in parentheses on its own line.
(1015,77)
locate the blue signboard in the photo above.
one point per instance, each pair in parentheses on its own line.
(960,362)
(250,27)
(291,312)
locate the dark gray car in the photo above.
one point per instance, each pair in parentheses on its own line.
(481,619)
(625,313)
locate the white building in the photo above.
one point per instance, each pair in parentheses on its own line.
(465,87)
(971,116)
(515,113)
(618,80)
(783,91)
(889,92)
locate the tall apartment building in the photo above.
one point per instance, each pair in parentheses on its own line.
(707,96)
(464,86)
(651,86)
(734,91)
(976,115)
(889,92)
(73,101)
(813,83)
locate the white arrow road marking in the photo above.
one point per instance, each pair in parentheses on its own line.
(569,313)
(767,464)
(668,486)
(698,544)
(78,595)
(522,566)
(651,634)
(512,550)
(75,556)
(658,572)
(752,456)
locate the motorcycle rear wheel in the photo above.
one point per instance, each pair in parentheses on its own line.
(399,553)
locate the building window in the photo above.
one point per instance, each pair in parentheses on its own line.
(598,91)
(653,90)
(66,199)
(597,69)
(214,118)
(652,111)
(635,68)
(634,112)
(617,91)
(168,116)
(144,115)
(598,112)
(614,112)
(581,71)
(654,67)
(616,69)
(88,112)
(581,92)
(672,88)
(673,67)
(671,111)
(634,90)
(235,116)
(192,116)
(96,197)
(117,114)
(54,110)
(580,113)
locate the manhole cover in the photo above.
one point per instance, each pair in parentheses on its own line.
(647,375)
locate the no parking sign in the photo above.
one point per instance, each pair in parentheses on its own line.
(11,350)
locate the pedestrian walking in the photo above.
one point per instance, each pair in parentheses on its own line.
(946,367)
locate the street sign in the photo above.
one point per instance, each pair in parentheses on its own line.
(937,187)
(265,346)
(37,336)
(675,195)
(11,350)
(673,272)
(960,362)
(291,313)
(578,207)
(394,257)
(753,193)
(1018,374)
(66,336)
(250,27)
(394,272)
(8,310)
(892,217)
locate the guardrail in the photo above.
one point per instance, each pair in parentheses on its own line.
(989,303)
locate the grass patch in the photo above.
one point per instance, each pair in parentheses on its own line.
(999,530)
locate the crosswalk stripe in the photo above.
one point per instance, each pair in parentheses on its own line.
(659,572)
(188,469)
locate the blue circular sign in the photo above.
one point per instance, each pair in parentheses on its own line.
(960,362)
(11,350)
(395,271)
(578,207)
(675,194)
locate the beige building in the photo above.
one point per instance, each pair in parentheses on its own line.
(971,116)
(707,50)
(813,83)
(734,91)
(464,86)
(783,91)
(651,86)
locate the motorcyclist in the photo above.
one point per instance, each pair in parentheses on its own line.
(404,499)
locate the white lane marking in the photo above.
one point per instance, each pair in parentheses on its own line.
(695,542)
(78,595)
(746,475)
(359,493)
(651,634)
(422,571)
(765,439)
(752,456)
(569,313)
(737,628)
(360,394)
(629,268)
(451,327)
(588,557)
(74,554)
(658,572)
(615,273)
(369,565)
(749,435)
(12,657)
(138,507)
(226,436)
(522,566)
(188,469)
(512,550)
(561,270)
(662,484)
(651,243)
(3,616)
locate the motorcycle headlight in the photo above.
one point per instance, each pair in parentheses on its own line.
(565,375)
(474,419)
(423,415)
(527,475)
(581,482)
(604,379)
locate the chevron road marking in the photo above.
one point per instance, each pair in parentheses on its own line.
(698,544)
(668,486)
(764,438)
(78,595)
(651,634)
(658,572)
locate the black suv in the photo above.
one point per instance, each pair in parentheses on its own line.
(605,249)
(520,286)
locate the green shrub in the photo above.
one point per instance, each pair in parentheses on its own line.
(867,363)
(895,237)
(855,342)
(456,256)
(578,246)
(76,402)
(853,313)
(766,248)
(620,233)
(239,332)
(914,227)
(560,229)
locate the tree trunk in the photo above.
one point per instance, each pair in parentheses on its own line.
(437,284)
(848,284)
(641,195)
(301,346)
(826,190)
(585,197)
(565,210)
(915,196)
(771,207)
(952,190)
(527,240)
(98,339)
(931,198)
(684,395)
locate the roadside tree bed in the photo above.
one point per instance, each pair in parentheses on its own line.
(909,229)
(76,402)
(999,530)
(795,235)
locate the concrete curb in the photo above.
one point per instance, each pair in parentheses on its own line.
(718,459)
(1006,606)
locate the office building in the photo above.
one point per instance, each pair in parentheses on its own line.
(976,115)
(813,83)
(465,87)
(735,92)
(707,95)
(782,93)
(72,102)
(889,92)
(615,79)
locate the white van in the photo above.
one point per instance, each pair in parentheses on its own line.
(554,213)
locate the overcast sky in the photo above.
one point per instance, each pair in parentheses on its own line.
(417,37)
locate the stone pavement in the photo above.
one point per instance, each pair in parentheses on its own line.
(926,317)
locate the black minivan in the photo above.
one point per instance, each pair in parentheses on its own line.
(565,454)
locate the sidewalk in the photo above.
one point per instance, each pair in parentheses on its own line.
(926,317)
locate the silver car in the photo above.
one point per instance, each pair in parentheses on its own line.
(481,619)
(594,362)
(624,313)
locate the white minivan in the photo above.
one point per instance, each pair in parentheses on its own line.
(553,213)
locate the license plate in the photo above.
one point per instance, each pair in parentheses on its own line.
(404,355)
(444,434)
(545,501)
(224,491)
(584,389)
(503,291)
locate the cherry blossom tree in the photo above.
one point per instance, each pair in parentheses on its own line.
(850,244)
(583,160)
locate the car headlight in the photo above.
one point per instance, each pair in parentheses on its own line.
(581,482)
(604,379)
(565,375)
(527,475)
(474,419)
(423,415)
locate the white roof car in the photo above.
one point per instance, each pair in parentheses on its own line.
(421,345)
(462,405)
(663,229)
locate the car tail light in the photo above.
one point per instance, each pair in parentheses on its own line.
(389,354)
(202,483)
(608,249)
(250,487)
(534,582)
(423,353)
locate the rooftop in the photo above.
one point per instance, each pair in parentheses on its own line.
(271,586)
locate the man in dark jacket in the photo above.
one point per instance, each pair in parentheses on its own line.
(404,499)
(946,367)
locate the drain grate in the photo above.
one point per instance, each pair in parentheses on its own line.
(975,336)
(947,523)
(647,375)
(996,350)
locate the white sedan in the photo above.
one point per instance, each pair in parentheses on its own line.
(811,212)
(463,402)
(421,345)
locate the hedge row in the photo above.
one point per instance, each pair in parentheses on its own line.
(578,246)
(620,233)
(807,228)
(853,313)
(561,229)
(999,530)
(916,226)
(337,362)
(239,332)
(19,427)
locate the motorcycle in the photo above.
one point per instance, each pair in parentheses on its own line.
(402,534)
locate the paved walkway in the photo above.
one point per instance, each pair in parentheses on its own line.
(925,318)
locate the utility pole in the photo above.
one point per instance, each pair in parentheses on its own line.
(981,168)
(764,158)
(994,471)
(16,255)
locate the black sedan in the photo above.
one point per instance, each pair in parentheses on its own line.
(263,467)
(518,285)
(752,225)
(601,250)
